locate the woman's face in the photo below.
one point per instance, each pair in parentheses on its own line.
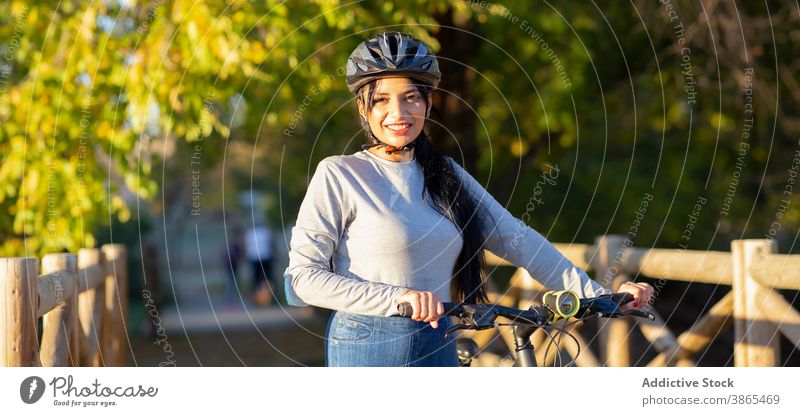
(398,111)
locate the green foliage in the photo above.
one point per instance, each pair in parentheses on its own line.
(96,97)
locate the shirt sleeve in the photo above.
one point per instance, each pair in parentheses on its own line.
(309,277)
(510,239)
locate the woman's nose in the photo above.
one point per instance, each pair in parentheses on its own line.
(396,108)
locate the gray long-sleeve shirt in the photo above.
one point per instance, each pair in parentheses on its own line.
(364,235)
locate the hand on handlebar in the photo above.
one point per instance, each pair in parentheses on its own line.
(427,306)
(611,306)
(642,295)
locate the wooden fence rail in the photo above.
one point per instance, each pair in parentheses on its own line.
(82,300)
(758,314)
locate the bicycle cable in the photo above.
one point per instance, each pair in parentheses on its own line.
(552,341)
(577,344)
(562,331)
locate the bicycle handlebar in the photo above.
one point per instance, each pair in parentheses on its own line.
(482,316)
(534,316)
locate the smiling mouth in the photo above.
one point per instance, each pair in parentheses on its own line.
(398,128)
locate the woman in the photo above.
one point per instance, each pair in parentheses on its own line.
(398,222)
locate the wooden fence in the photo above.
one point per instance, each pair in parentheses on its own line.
(82,300)
(759,315)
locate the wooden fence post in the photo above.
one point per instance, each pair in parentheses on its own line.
(614,334)
(92,275)
(699,336)
(19,346)
(757,341)
(115,335)
(60,340)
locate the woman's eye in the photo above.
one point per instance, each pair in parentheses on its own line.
(381,100)
(412,97)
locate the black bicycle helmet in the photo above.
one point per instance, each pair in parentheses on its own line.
(391,53)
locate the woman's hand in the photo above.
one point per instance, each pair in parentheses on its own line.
(642,295)
(426,306)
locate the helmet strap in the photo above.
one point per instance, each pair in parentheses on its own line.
(389,149)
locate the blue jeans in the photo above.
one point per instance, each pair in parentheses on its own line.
(374,341)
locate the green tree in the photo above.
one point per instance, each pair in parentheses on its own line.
(106,102)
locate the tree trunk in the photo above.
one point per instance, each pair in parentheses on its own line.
(456,100)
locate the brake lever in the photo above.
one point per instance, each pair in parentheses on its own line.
(633,312)
(639,313)
(457,327)
(479,318)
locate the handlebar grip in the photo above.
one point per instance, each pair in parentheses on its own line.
(623,298)
(405,309)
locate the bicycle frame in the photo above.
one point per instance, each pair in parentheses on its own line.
(523,345)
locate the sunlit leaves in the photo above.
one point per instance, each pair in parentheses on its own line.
(100,94)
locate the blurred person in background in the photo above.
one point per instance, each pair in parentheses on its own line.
(231,255)
(258,246)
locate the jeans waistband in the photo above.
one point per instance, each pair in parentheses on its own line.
(390,321)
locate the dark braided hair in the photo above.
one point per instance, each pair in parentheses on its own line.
(447,196)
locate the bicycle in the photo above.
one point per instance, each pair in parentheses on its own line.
(525,322)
